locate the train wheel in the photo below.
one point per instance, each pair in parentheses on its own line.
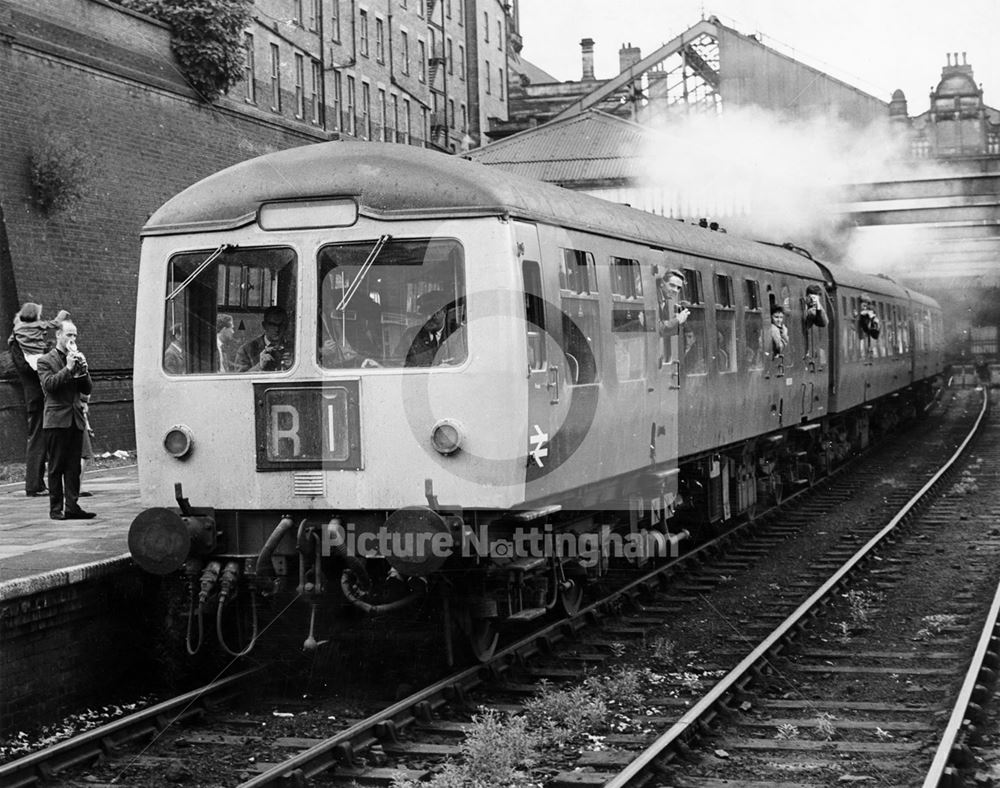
(571,597)
(482,637)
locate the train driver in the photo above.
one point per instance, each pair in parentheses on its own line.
(420,345)
(270,352)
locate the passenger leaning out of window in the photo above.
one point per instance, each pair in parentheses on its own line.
(779,331)
(673,311)
(868,320)
(815,312)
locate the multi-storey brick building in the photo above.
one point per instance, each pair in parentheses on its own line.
(425,72)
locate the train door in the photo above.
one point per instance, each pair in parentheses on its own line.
(547,390)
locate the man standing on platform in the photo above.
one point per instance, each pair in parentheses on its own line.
(64,377)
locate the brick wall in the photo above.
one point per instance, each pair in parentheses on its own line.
(66,647)
(85,74)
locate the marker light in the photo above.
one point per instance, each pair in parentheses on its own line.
(447,437)
(178,441)
(306,214)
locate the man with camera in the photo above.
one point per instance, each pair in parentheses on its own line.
(64,376)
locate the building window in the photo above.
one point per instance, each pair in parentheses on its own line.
(405,39)
(500,35)
(406,121)
(451,58)
(461,61)
(275,78)
(451,113)
(366,110)
(338,100)
(335,20)
(363,35)
(486,26)
(488,80)
(461,12)
(420,8)
(249,89)
(465,119)
(382,115)
(297,12)
(314,12)
(500,83)
(422,61)
(395,119)
(379,40)
(300,86)
(317,90)
(351,127)
(426,123)
(447,8)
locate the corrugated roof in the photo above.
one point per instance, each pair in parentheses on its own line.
(589,146)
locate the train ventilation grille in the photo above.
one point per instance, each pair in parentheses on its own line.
(309,483)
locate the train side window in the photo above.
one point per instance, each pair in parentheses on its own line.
(725,324)
(629,321)
(753,325)
(694,358)
(215,305)
(534,314)
(578,273)
(581,337)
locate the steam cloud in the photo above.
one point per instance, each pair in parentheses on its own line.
(778,180)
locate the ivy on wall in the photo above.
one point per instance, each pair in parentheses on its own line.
(58,172)
(207,37)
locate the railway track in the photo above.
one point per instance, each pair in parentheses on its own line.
(411,735)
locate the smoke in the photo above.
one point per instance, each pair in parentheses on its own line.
(766,177)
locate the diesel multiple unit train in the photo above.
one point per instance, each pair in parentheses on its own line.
(373,374)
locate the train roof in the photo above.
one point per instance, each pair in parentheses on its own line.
(402,182)
(396,182)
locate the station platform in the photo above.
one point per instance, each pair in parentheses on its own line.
(37,553)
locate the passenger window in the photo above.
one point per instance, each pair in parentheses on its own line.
(629,321)
(578,273)
(230,310)
(753,325)
(694,358)
(725,324)
(581,338)
(534,314)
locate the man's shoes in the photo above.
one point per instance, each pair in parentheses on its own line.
(37,493)
(57,516)
(79,514)
(85,495)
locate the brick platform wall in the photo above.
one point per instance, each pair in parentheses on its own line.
(85,74)
(68,647)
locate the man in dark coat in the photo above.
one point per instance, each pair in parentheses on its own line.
(420,345)
(34,402)
(64,377)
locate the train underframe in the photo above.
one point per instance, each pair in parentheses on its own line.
(495,571)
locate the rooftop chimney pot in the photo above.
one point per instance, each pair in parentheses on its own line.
(587,50)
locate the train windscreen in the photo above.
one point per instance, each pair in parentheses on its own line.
(230,310)
(388,302)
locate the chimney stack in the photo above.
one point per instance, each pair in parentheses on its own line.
(628,56)
(587,48)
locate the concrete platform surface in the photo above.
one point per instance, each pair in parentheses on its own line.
(36,552)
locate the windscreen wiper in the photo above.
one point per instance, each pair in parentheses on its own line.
(366,266)
(204,264)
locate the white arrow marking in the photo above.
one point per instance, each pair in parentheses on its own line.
(538,440)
